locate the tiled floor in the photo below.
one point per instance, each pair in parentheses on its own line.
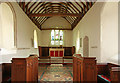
(55,72)
(55,60)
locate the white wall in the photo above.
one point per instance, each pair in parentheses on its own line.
(25,28)
(56,21)
(100,25)
(25,31)
(0,26)
(46,36)
(89,26)
(109,32)
(119,32)
(0,44)
(7,27)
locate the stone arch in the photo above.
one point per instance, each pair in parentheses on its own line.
(14,21)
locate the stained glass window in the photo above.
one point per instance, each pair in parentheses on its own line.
(56,37)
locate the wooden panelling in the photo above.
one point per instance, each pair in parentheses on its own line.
(0,73)
(102,69)
(25,69)
(115,74)
(6,71)
(40,51)
(68,51)
(44,51)
(74,69)
(84,69)
(110,71)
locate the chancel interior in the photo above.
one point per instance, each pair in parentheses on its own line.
(59,41)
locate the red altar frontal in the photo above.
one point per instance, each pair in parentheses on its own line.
(56,52)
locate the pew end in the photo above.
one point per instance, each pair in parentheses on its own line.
(108,73)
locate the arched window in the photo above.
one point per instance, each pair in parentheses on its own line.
(56,37)
(35,39)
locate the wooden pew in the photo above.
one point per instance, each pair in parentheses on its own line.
(25,69)
(84,69)
(0,73)
(108,72)
(6,72)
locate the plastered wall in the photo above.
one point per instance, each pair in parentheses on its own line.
(109,32)
(24,36)
(46,36)
(100,24)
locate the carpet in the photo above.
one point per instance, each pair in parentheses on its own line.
(55,72)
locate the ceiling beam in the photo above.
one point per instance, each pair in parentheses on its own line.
(36,22)
(79,5)
(35,7)
(55,29)
(39,7)
(23,6)
(76,22)
(54,14)
(70,19)
(74,7)
(44,20)
(67,20)
(31,6)
(27,4)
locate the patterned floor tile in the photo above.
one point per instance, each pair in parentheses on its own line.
(55,72)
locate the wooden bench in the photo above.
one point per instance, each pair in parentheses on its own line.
(84,69)
(6,72)
(108,72)
(0,73)
(25,69)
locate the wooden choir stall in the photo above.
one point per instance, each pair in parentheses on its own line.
(84,69)
(25,69)
(108,73)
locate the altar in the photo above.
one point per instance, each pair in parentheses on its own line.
(56,52)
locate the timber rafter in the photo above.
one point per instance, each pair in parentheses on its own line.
(72,12)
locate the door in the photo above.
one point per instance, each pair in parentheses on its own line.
(86,46)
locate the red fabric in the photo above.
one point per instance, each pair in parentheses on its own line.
(56,53)
(105,77)
(61,53)
(51,53)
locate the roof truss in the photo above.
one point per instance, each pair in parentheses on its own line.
(39,12)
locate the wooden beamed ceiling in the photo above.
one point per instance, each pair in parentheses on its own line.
(72,12)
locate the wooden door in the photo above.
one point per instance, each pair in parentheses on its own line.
(86,46)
